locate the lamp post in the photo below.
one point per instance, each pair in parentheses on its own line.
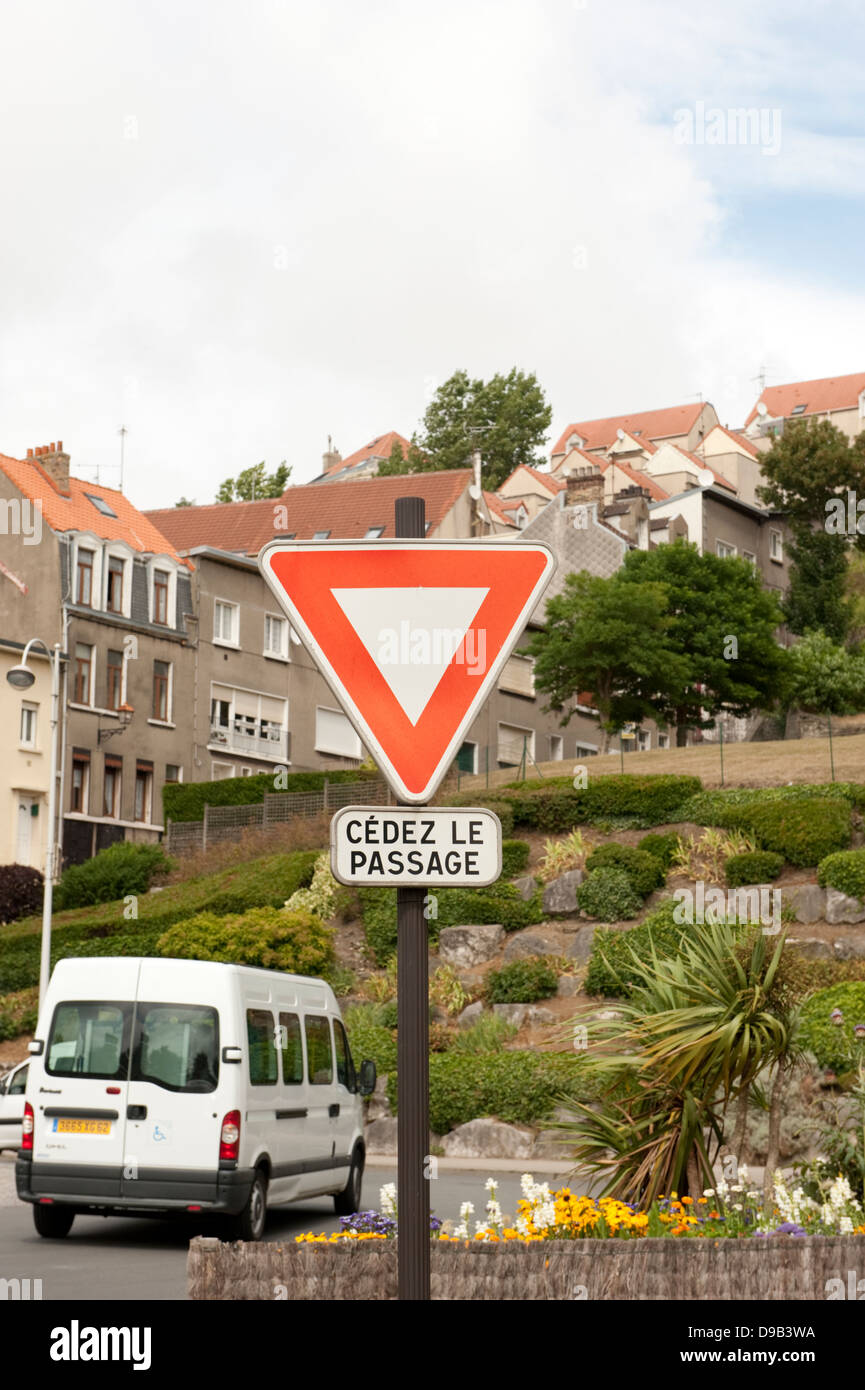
(22,678)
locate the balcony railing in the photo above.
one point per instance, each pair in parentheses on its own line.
(252,739)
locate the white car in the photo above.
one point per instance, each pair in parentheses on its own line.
(182,1086)
(12,1088)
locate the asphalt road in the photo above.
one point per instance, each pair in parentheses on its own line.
(116,1258)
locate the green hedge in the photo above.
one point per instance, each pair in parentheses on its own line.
(844,871)
(369,1038)
(111,874)
(609,896)
(448,907)
(758,866)
(805,831)
(515,857)
(611,966)
(517,1087)
(833,1046)
(557,805)
(106,929)
(661,847)
(503,810)
(645,871)
(724,806)
(270,937)
(185,801)
(18,1013)
(521,981)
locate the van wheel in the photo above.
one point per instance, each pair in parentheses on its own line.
(53,1222)
(249,1225)
(347,1202)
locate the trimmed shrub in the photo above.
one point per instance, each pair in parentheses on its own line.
(608,895)
(644,870)
(185,801)
(18,1013)
(835,1046)
(611,965)
(558,805)
(517,1087)
(521,981)
(805,831)
(661,847)
(388,1013)
(724,805)
(844,871)
(454,907)
(113,873)
(515,857)
(20,891)
(503,810)
(369,1038)
(297,942)
(756,866)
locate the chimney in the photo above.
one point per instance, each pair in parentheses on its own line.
(331,457)
(55,463)
(584,490)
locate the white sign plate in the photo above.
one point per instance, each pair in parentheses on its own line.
(403,846)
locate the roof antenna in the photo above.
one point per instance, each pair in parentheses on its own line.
(123,431)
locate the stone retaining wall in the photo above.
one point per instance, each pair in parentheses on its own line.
(782,1268)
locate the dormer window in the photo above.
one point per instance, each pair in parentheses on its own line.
(799,409)
(100,504)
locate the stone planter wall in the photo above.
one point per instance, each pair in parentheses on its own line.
(655,1270)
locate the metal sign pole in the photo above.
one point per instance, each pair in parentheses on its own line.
(413,1200)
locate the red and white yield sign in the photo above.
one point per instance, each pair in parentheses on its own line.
(410,636)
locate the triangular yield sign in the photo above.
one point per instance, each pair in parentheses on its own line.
(410,636)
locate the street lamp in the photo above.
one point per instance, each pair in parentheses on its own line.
(22,678)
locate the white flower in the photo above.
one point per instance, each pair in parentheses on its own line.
(737,1206)
(387,1199)
(490,1184)
(845,1226)
(708,1191)
(743,1174)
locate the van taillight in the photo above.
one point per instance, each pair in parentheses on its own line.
(27,1128)
(229,1136)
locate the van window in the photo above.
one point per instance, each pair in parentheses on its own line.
(260,1034)
(344,1065)
(318,1054)
(292,1049)
(90,1039)
(18,1084)
(177,1046)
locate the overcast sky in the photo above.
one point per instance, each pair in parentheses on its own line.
(236,229)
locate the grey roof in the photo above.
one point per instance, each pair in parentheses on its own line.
(594,547)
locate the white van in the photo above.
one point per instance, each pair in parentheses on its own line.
(181,1086)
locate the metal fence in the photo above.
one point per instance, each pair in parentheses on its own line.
(277,808)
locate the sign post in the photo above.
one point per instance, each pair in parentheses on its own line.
(411,635)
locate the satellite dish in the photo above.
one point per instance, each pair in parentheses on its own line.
(705,477)
(762,409)
(620,434)
(474,492)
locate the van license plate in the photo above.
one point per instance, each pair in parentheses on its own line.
(70,1126)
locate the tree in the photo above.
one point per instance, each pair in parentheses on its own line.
(722,627)
(611,640)
(254,483)
(824,677)
(812,471)
(186,502)
(507,418)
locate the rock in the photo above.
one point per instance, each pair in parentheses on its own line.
(552,1143)
(567,986)
(378,1105)
(467,946)
(529,943)
(581,946)
(470,1015)
(840,908)
(437,1014)
(487,1139)
(560,895)
(812,948)
(540,1017)
(808,901)
(526,887)
(381,1136)
(848,950)
(512,1013)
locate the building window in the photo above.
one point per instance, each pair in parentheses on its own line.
(173,772)
(373,533)
(111,788)
(321,535)
(219,772)
(749,556)
(160,597)
(143,792)
(114,680)
(84,586)
(275,636)
(799,409)
(83,674)
(27,735)
(225,623)
(334,734)
(644,741)
(776,547)
(585,750)
(80,797)
(724,550)
(663,740)
(513,741)
(114,597)
(557,748)
(161,685)
(518,676)
(467,757)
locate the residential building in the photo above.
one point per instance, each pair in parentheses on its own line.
(25,768)
(685,425)
(364,463)
(112,590)
(839,399)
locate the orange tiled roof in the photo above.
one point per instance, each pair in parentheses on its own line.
(739,439)
(76,513)
(652,424)
(379,448)
(501,507)
(827,393)
(347,512)
(553,485)
(656,492)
